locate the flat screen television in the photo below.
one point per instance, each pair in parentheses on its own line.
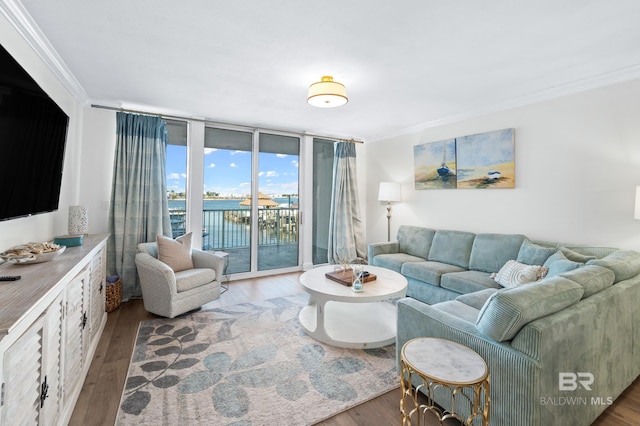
(33,134)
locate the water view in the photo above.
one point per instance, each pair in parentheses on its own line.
(226,222)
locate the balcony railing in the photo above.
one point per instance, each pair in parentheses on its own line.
(231,228)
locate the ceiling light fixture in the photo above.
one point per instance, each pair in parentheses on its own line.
(327,93)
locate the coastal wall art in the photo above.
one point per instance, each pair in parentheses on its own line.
(483,160)
(435,165)
(486,160)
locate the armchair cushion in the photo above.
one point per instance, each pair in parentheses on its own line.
(175,253)
(192,278)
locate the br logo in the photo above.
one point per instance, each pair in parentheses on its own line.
(572,381)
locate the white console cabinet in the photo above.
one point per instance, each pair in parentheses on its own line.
(50,324)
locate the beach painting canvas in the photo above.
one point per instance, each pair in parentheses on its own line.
(486,160)
(435,165)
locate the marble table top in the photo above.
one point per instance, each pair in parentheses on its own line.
(445,361)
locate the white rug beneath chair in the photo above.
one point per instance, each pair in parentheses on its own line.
(248,364)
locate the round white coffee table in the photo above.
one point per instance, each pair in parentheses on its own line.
(340,317)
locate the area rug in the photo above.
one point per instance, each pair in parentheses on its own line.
(246,365)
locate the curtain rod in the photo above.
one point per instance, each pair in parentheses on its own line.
(178,117)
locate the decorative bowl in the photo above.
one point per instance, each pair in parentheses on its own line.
(25,257)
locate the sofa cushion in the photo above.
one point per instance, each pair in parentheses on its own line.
(592,278)
(575,256)
(515,274)
(558,263)
(458,309)
(452,247)
(624,264)
(427,271)
(490,251)
(175,253)
(534,254)
(467,281)
(394,261)
(192,278)
(508,310)
(415,240)
(477,299)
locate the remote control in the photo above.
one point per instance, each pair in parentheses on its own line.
(10,278)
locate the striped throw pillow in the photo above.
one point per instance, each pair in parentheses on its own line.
(515,274)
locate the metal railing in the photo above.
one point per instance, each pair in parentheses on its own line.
(231,228)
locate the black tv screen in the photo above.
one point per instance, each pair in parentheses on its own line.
(33,134)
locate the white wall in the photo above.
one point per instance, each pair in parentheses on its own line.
(44,227)
(577,166)
(99,141)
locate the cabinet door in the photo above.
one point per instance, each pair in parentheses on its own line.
(51,390)
(97,293)
(75,322)
(31,372)
(22,378)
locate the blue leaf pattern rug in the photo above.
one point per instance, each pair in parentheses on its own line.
(246,365)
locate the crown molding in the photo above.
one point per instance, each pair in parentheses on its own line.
(573,87)
(24,24)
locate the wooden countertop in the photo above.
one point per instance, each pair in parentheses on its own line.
(39,282)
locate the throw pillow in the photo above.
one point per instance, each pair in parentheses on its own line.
(534,254)
(515,274)
(175,253)
(558,263)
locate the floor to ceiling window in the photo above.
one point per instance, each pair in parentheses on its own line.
(176,169)
(250,189)
(228,164)
(322,183)
(277,205)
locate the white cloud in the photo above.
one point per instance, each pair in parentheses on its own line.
(281,155)
(239,152)
(295,163)
(245,184)
(209,150)
(212,165)
(261,174)
(176,175)
(233,165)
(272,173)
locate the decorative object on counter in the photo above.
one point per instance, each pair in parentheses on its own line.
(113,293)
(78,220)
(69,240)
(32,253)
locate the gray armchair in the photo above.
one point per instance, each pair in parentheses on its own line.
(168,293)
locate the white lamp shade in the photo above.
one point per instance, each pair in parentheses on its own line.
(78,220)
(389,191)
(327,93)
(636,214)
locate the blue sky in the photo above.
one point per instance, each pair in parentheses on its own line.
(229,172)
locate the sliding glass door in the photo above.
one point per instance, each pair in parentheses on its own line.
(250,190)
(277,206)
(248,182)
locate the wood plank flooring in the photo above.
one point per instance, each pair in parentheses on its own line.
(100,396)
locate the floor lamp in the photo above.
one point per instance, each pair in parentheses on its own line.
(389,192)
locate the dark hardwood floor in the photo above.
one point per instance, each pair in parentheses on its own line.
(100,396)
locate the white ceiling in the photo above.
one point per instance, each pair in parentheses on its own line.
(405,64)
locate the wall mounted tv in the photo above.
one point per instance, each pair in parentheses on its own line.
(33,134)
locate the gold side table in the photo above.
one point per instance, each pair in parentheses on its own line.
(443,366)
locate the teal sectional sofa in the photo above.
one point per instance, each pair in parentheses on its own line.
(560,350)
